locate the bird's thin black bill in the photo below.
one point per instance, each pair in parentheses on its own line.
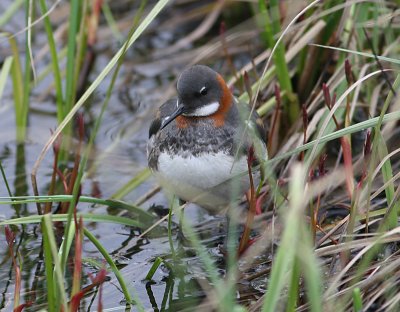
(171,117)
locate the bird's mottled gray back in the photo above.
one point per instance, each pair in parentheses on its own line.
(201,136)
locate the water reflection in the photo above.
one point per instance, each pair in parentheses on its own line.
(20,182)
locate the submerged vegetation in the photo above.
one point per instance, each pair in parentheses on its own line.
(322,232)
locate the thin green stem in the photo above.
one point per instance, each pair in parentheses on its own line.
(111,263)
(54,62)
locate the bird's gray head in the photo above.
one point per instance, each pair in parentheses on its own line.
(199,91)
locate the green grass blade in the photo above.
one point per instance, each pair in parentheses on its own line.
(396,86)
(27,74)
(272,27)
(387,174)
(5,70)
(380,149)
(111,22)
(337,134)
(73,26)
(132,184)
(3,174)
(174,206)
(357,300)
(111,263)
(154,268)
(139,30)
(311,270)
(18,87)
(293,292)
(284,259)
(48,264)
(87,217)
(85,157)
(201,251)
(10,11)
(117,204)
(48,234)
(268,105)
(381,58)
(324,122)
(330,128)
(54,61)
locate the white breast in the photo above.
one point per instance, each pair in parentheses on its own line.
(191,177)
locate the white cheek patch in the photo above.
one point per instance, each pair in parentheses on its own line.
(205,110)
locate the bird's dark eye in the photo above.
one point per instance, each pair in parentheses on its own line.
(203,91)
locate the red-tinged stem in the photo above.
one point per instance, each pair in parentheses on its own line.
(81,133)
(348,72)
(56,150)
(100,278)
(97,281)
(273,136)
(76,283)
(17,290)
(90,56)
(259,202)
(63,179)
(325,90)
(315,210)
(305,127)
(22,306)
(76,300)
(10,238)
(348,165)
(72,179)
(330,102)
(350,81)
(94,22)
(346,148)
(334,241)
(247,85)
(314,218)
(367,157)
(368,144)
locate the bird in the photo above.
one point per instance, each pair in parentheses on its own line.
(199,141)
